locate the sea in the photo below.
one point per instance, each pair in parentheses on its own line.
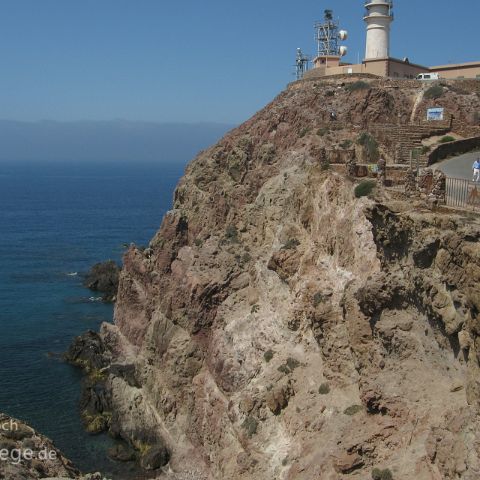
(56,221)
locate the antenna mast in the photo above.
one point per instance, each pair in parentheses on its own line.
(301,64)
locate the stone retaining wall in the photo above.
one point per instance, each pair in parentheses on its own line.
(451,149)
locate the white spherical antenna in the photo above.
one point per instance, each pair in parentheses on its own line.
(343,51)
(342,35)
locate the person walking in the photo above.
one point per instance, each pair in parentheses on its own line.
(476,170)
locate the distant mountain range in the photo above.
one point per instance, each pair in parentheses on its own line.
(115,140)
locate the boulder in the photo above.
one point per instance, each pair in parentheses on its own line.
(87,351)
(121,453)
(104,277)
(156,457)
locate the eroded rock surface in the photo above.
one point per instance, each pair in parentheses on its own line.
(277,327)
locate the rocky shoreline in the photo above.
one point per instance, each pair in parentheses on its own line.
(89,353)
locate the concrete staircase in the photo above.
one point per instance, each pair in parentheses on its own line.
(402,140)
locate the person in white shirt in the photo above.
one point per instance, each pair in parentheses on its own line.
(476,170)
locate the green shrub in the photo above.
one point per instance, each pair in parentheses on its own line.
(320,85)
(446,139)
(318,298)
(346,144)
(246,257)
(291,244)
(96,375)
(329,93)
(160,244)
(324,389)
(325,165)
(370,145)
(425,149)
(358,85)
(364,188)
(303,132)
(250,424)
(363,138)
(289,366)
(255,308)
(353,409)
(322,131)
(268,355)
(378,474)
(292,363)
(231,233)
(436,91)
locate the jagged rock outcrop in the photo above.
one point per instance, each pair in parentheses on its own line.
(103,278)
(279,327)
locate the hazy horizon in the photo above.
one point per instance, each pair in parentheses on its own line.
(102,140)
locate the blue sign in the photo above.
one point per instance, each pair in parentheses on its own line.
(435,114)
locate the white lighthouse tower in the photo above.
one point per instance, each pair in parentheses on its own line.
(378,17)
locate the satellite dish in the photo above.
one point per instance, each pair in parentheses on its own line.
(342,34)
(343,51)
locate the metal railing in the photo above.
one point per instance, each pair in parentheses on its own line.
(462,193)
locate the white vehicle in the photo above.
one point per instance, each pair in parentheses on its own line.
(428,76)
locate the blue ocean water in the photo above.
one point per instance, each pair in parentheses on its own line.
(55,220)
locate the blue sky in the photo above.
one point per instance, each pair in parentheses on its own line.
(191,60)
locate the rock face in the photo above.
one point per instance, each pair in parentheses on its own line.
(103,278)
(279,327)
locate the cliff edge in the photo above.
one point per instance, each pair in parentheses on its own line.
(279,327)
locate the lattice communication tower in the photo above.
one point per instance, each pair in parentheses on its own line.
(327,35)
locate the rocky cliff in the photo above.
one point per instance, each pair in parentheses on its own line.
(278,327)
(26,454)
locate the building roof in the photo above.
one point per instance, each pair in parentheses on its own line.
(396,60)
(453,66)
